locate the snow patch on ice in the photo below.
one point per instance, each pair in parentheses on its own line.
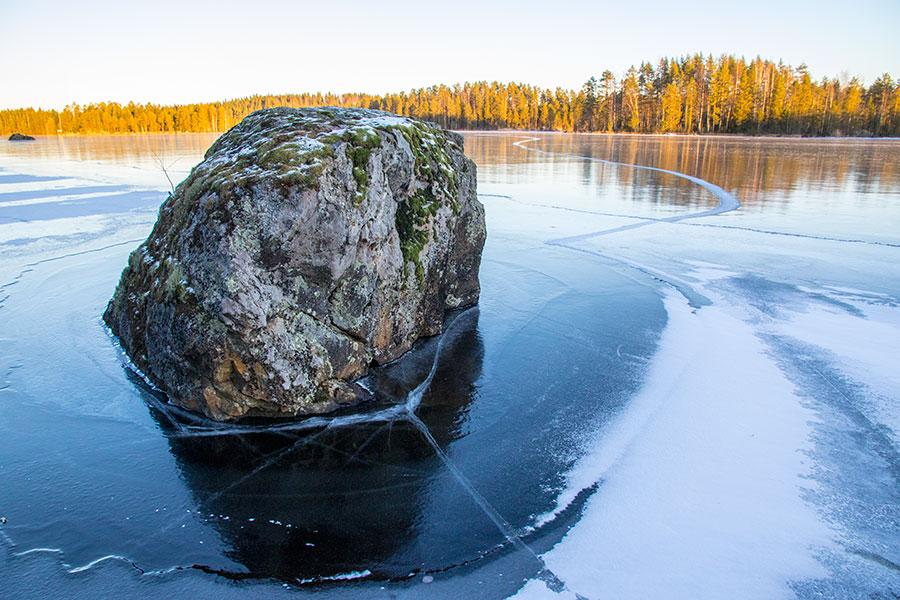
(340,577)
(62,197)
(866,349)
(702,477)
(93,563)
(52,227)
(60,183)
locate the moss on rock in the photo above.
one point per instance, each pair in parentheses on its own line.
(359,146)
(411,221)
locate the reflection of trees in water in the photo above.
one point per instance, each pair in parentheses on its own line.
(754,167)
(122,149)
(332,500)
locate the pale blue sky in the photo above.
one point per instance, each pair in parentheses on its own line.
(175,51)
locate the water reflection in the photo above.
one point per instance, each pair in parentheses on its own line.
(753,165)
(140,150)
(758,170)
(838,188)
(310,504)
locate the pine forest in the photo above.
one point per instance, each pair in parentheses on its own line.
(695,95)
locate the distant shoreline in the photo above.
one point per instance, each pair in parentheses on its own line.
(724,135)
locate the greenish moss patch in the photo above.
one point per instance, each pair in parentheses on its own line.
(433,159)
(411,221)
(360,143)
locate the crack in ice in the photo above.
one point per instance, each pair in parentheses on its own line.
(727,202)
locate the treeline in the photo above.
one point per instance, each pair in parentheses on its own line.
(698,94)
(693,94)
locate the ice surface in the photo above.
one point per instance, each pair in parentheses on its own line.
(702,406)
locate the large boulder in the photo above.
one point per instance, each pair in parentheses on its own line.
(308,245)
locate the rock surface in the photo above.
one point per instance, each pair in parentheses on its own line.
(308,245)
(18,137)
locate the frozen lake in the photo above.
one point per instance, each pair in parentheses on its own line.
(681,381)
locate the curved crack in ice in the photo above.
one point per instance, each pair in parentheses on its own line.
(727,202)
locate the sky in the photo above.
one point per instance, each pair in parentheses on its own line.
(55,52)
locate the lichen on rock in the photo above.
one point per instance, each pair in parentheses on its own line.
(308,245)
